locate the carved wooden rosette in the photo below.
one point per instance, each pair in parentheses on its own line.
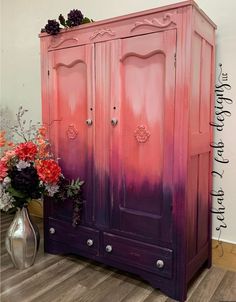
(141,134)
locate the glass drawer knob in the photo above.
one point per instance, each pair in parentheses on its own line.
(90,242)
(52,231)
(89,122)
(160,264)
(108,248)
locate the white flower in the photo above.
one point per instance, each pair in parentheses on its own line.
(6,182)
(52,189)
(6,201)
(41,184)
(22,165)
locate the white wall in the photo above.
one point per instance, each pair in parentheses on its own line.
(21,22)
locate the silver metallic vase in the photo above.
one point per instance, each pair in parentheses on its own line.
(22,239)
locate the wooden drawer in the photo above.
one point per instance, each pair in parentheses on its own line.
(81,238)
(143,256)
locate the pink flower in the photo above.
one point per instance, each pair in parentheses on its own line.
(3,170)
(10,144)
(8,155)
(42,131)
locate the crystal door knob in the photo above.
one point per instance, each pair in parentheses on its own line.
(160,264)
(114,122)
(52,231)
(89,122)
(108,248)
(90,242)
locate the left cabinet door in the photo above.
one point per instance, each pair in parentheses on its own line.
(71,99)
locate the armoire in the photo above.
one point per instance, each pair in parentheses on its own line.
(128,103)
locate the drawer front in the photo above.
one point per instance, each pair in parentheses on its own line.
(82,238)
(143,256)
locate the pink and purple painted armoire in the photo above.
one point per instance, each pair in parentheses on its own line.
(128,102)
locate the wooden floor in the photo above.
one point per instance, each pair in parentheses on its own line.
(224,255)
(57,278)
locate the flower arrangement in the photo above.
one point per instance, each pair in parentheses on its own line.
(74,18)
(29,171)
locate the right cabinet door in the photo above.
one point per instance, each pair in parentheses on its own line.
(141,136)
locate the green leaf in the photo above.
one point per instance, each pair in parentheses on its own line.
(16,193)
(62,20)
(86,20)
(68,23)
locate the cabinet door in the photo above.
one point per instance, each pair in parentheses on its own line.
(71,104)
(139,73)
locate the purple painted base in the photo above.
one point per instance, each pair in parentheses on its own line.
(128,253)
(168,286)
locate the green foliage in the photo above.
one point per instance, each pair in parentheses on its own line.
(62,20)
(74,188)
(67,22)
(16,193)
(87,20)
(74,192)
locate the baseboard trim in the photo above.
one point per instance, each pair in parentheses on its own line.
(224,240)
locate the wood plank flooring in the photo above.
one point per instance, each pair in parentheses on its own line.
(224,255)
(57,278)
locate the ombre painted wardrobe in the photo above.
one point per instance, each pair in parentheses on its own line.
(128,102)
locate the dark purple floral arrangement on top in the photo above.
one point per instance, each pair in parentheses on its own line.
(74,18)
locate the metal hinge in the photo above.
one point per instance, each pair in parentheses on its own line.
(175,59)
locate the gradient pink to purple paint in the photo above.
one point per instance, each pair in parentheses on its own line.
(148,177)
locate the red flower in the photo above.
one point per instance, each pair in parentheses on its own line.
(48,170)
(26,151)
(3,170)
